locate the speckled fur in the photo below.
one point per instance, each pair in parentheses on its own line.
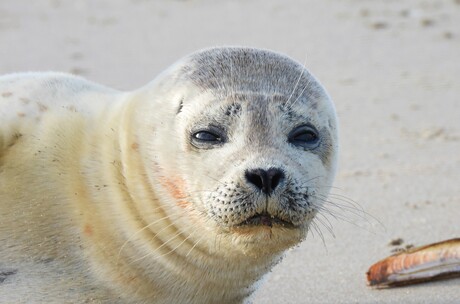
(104,199)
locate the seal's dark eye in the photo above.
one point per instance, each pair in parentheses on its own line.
(304,136)
(207,136)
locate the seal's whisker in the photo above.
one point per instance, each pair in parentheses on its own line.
(286,104)
(232,83)
(326,223)
(159,247)
(346,205)
(336,216)
(312,179)
(351,207)
(300,95)
(342,207)
(196,243)
(142,229)
(154,236)
(218,240)
(175,248)
(346,199)
(339,211)
(198,191)
(318,231)
(293,90)
(214,179)
(342,216)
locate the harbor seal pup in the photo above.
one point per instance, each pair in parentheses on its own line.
(187,190)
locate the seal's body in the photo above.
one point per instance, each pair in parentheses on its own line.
(187,190)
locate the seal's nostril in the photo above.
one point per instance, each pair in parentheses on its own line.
(265,180)
(256,177)
(276,175)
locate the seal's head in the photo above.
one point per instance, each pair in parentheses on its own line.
(248,143)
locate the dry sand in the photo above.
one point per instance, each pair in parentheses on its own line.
(392,67)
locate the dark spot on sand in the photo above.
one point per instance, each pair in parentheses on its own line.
(76,56)
(448,35)
(379,25)
(427,22)
(7,94)
(78,71)
(24,100)
(71,109)
(397,250)
(396,242)
(409,246)
(364,12)
(14,139)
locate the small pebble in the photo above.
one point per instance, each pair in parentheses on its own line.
(396,242)
(379,25)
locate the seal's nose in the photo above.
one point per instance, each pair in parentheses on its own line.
(265,180)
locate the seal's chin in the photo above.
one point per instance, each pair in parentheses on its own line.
(265,219)
(265,234)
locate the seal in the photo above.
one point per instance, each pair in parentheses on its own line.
(187,190)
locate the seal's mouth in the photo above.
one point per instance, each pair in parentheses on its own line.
(265,219)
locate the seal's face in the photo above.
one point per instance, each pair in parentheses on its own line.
(258,138)
(263,164)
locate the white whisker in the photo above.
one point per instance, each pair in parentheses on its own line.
(286,104)
(142,229)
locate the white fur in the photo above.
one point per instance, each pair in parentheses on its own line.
(102,198)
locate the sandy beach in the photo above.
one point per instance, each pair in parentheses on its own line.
(391,67)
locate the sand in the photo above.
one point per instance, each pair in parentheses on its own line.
(392,68)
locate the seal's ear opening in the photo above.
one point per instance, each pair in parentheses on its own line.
(181,105)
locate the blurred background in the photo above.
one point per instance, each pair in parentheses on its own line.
(392,67)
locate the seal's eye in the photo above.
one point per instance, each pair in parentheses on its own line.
(305,137)
(208,138)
